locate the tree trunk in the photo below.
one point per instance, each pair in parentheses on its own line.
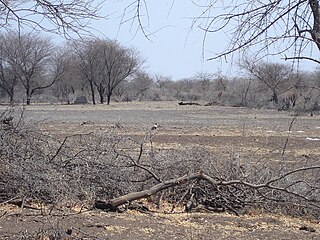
(101,98)
(11,96)
(101,93)
(315,33)
(92,93)
(116,202)
(28,92)
(28,96)
(109,98)
(275,97)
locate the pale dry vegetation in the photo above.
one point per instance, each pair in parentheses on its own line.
(86,168)
(50,164)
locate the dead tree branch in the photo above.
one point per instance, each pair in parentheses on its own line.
(116,202)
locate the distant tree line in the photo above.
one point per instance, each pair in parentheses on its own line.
(31,65)
(33,68)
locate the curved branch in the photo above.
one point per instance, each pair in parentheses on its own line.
(113,204)
(302,58)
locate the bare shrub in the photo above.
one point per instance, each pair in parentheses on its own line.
(76,168)
(84,168)
(234,184)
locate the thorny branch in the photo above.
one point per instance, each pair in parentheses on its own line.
(116,202)
(63,17)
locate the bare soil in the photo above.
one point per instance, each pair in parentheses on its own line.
(67,224)
(225,131)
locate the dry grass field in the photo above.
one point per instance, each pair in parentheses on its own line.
(224,131)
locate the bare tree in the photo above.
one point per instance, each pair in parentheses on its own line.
(31,59)
(122,91)
(221,85)
(105,64)
(274,76)
(309,92)
(242,89)
(203,80)
(119,64)
(140,85)
(163,85)
(87,54)
(69,78)
(290,29)
(57,16)
(8,77)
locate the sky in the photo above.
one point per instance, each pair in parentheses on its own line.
(173,47)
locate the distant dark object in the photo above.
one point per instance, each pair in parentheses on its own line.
(87,123)
(238,105)
(306,228)
(81,100)
(188,103)
(155,126)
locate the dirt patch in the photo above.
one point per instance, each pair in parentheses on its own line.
(135,225)
(223,130)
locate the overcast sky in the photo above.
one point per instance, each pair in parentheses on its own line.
(175,48)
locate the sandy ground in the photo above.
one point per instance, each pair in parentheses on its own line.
(131,225)
(223,130)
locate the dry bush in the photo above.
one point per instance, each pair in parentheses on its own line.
(76,168)
(83,168)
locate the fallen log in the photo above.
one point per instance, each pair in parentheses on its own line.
(113,204)
(188,103)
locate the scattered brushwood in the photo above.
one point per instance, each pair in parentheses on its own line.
(110,171)
(195,178)
(232,195)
